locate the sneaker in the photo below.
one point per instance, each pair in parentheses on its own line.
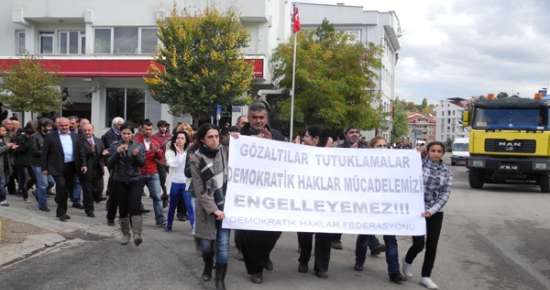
(428,283)
(4,203)
(160,222)
(407,269)
(27,200)
(337,245)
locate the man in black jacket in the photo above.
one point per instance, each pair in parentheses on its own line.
(257,245)
(43,183)
(92,170)
(110,137)
(23,162)
(351,135)
(60,158)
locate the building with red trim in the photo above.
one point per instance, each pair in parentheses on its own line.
(103,49)
(421,127)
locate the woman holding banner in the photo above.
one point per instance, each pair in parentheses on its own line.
(209,174)
(314,136)
(438,181)
(392,255)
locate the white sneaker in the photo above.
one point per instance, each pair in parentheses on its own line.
(4,203)
(407,268)
(428,283)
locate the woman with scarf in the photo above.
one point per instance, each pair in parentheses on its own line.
(175,182)
(209,174)
(438,181)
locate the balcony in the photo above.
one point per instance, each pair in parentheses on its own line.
(254,11)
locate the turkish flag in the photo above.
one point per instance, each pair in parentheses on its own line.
(296,20)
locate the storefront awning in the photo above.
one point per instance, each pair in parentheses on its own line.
(110,67)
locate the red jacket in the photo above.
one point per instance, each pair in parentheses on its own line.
(150,156)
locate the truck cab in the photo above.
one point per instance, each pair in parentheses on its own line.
(509,141)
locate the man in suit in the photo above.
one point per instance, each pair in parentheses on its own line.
(60,159)
(91,178)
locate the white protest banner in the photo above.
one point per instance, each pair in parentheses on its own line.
(279,186)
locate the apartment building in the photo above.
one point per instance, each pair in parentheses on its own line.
(380,28)
(103,49)
(421,127)
(449,119)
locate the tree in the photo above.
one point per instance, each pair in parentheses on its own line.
(502,95)
(323,32)
(400,122)
(334,81)
(32,86)
(203,60)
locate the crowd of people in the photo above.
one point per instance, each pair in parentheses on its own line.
(186,171)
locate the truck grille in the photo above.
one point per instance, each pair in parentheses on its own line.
(501,145)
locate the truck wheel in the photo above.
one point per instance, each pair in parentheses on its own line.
(544,182)
(476,181)
(453,163)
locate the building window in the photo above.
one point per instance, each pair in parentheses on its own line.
(72,42)
(125,40)
(47,43)
(127,103)
(102,40)
(149,40)
(442,137)
(20,42)
(453,113)
(356,33)
(442,113)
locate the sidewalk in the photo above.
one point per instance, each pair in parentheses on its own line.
(26,231)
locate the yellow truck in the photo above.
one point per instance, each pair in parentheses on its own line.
(509,141)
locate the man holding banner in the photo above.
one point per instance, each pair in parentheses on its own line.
(257,245)
(351,135)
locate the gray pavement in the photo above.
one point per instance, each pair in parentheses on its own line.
(494,238)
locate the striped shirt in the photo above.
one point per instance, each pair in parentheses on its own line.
(438,181)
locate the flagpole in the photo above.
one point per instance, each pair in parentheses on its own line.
(293,84)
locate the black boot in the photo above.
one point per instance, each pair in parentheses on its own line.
(208,265)
(221,269)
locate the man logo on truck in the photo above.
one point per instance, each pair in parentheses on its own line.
(509,145)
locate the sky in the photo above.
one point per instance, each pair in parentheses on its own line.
(465,48)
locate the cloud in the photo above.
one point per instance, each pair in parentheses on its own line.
(464,48)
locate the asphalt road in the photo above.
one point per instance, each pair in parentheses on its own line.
(494,238)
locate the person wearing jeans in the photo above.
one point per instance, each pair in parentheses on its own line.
(392,256)
(175,183)
(209,173)
(151,178)
(43,182)
(152,181)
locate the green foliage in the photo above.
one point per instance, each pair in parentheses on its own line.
(32,86)
(502,95)
(335,81)
(203,61)
(400,122)
(323,32)
(449,145)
